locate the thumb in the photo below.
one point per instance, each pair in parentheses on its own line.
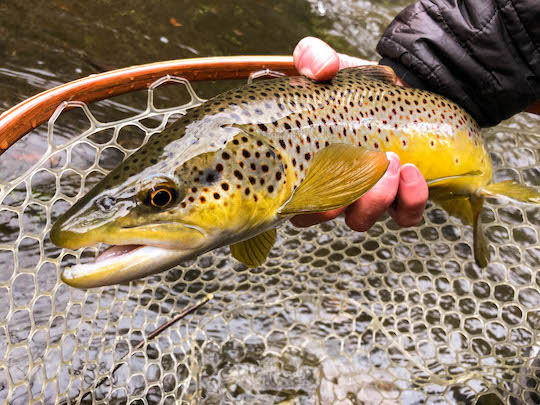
(315,59)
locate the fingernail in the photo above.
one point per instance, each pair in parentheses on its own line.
(393,167)
(409,173)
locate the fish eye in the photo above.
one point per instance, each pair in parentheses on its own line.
(161,196)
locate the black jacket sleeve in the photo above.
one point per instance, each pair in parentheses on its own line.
(482,54)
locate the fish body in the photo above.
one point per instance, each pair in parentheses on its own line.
(233,169)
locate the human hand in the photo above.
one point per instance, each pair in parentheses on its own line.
(402,190)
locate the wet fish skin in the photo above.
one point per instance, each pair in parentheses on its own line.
(235,163)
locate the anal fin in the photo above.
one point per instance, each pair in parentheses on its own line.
(253,252)
(468,210)
(480,242)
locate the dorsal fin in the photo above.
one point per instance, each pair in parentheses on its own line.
(378,72)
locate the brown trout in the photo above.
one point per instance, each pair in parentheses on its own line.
(233,169)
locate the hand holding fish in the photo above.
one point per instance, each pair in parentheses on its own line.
(402,190)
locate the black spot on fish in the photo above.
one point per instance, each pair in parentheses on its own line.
(210,176)
(262,127)
(238,175)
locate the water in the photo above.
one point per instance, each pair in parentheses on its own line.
(382,315)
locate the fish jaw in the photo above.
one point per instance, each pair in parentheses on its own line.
(169,235)
(126,264)
(137,251)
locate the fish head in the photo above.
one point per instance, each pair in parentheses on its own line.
(161,207)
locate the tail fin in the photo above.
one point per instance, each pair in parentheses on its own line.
(511,189)
(468,209)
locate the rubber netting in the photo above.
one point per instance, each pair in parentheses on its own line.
(390,316)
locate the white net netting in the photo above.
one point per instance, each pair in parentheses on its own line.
(390,316)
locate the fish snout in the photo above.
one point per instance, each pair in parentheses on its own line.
(62,236)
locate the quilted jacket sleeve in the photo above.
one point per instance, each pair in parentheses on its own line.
(483,54)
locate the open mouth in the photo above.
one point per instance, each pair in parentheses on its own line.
(115,251)
(123,263)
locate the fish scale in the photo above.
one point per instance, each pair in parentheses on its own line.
(233,169)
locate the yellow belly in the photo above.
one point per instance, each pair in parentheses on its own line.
(443,156)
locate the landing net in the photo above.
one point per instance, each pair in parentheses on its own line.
(390,316)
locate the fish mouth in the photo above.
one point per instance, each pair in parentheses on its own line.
(124,263)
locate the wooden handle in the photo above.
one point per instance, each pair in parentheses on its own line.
(21,119)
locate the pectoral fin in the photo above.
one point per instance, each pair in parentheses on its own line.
(253,252)
(338,176)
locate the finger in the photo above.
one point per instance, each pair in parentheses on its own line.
(346,61)
(315,59)
(362,214)
(311,219)
(411,197)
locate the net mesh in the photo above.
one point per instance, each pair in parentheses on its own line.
(390,316)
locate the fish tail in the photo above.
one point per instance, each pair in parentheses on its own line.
(511,189)
(469,208)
